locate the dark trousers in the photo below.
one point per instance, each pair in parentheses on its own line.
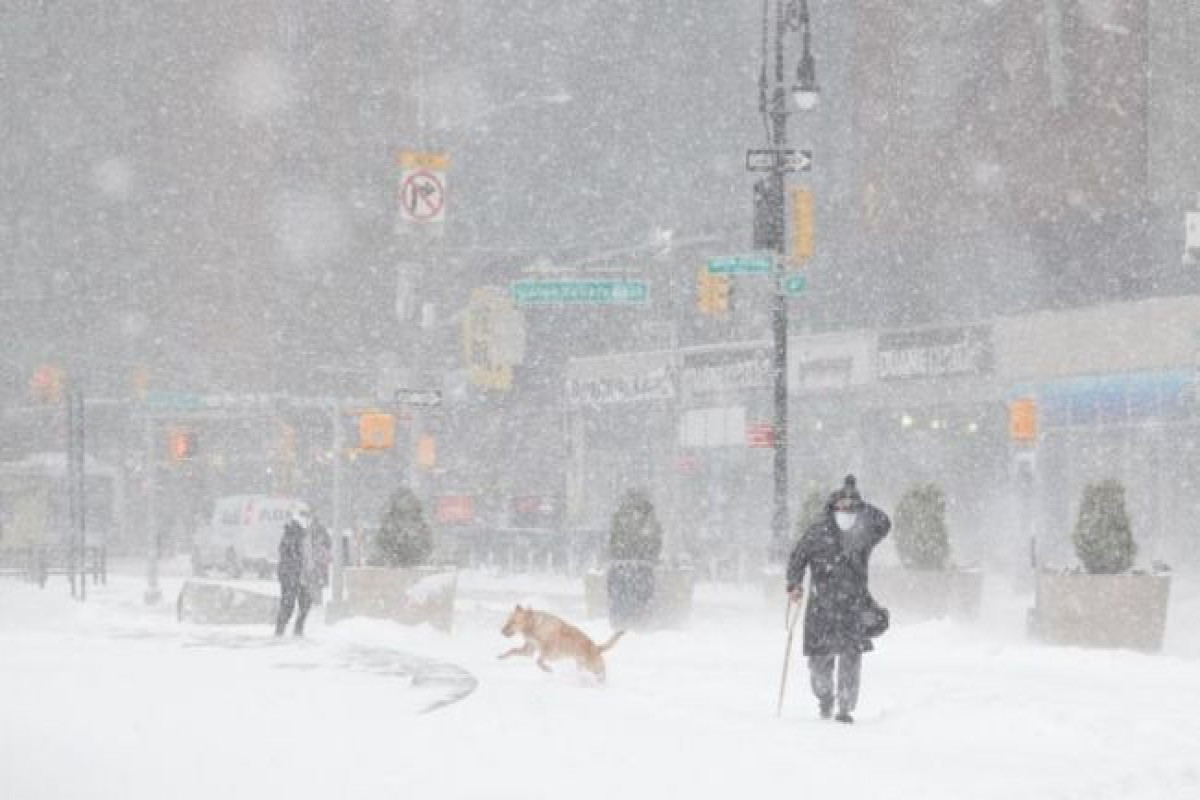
(292,595)
(630,587)
(849,672)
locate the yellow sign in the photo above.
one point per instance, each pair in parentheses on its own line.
(411,159)
(488,363)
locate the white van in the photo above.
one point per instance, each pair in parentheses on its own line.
(244,534)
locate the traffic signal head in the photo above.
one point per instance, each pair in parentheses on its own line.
(427,452)
(1022,420)
(803,225)
(715,292)
(376,430)
(182,445)
(46,384)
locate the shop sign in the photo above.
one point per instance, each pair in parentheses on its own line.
(455,509)
(824,362)
(630,378)
(726,370)
(934,353)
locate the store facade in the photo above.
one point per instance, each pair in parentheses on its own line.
(1114,387)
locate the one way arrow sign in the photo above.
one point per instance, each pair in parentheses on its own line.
(418,397)
(782,160)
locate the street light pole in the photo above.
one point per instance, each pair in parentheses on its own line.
(790,15)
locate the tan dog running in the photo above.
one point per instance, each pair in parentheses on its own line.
(552,638)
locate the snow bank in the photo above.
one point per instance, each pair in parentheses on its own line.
(111,700)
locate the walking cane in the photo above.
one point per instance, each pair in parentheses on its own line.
(790,622)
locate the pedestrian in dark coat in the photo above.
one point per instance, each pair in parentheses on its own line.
(298,579)
(322,546)
(841,616)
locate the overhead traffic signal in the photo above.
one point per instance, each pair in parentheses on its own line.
(715,291)
(1022,420)
(427,451)
(182,445)
(376,430)
(46,384)
(803,225)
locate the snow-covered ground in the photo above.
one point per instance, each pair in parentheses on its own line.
(111,699)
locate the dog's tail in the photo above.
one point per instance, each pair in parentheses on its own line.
(611,641)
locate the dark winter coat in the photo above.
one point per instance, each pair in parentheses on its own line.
(838,564)
(296,557)
(322,544)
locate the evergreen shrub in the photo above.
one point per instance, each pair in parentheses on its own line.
(922,539)
(1103,537)
(404,538)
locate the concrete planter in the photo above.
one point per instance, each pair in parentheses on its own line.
(670,607)
(595,593)
(1114,611)
(408,595)
(915,595)
(216,604)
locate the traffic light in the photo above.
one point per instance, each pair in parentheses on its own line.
(376,430)
(768,216)
(46,384)
(287,443)
(715,291)
(139,383)
(182,445)
(1022,420)
(803,225)
(427,452)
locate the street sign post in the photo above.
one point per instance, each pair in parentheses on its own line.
(740,265)
(793,283)
(766,160)
(579,293)
(418,397)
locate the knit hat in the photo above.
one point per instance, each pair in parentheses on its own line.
(849,491)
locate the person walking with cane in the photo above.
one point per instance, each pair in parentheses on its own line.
(841,617)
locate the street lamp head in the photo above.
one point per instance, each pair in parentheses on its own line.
(807,98)
(805,91)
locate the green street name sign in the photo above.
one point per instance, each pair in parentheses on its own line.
(739,265)
(793,283)
(164,400)
(579,293)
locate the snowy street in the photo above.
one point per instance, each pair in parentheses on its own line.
(141,706)
(660,318)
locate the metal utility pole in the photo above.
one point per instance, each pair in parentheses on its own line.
(339,563)
(76,491)
(153,594)
(769,222)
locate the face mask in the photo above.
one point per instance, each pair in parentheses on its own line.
(844,519)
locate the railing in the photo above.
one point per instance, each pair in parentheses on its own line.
(544,550)
(37,563)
